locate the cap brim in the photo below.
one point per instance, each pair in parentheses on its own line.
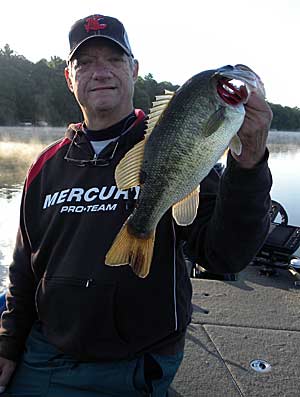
(98,37)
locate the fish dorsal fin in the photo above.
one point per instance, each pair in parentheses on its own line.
(127,172)
(185,211)
(236,145)
(158,108)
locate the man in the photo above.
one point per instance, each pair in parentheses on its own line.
(95,330)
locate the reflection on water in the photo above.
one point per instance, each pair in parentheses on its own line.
(285,165)
(9,209)
(19,146)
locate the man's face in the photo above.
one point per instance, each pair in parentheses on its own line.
(102,78)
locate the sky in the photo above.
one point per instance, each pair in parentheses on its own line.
(173,40)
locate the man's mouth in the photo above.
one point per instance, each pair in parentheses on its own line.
(106,88)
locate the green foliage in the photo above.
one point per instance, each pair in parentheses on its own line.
(285,118)
(37,92)
(146,89)
(34,93)
(6,51)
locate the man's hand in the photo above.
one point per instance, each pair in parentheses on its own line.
(254,131)
(7,368)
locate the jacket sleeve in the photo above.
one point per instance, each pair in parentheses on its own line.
(17,319)
(232,222)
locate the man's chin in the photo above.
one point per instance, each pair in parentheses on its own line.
(103,106)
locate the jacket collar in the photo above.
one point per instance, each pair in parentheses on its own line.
(81,152)
(77,128)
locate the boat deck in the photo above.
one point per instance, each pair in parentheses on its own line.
(234,323)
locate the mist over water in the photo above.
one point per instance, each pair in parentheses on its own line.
(15,159)
(20,146)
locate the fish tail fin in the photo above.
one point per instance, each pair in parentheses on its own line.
(129,249)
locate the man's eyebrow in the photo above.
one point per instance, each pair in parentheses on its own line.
(85,54)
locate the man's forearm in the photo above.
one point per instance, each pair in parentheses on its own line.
(239,223)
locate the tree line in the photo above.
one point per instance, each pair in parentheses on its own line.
(37,93)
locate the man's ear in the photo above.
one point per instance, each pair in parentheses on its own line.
(135,69)
(68,80)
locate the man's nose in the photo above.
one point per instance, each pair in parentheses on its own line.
(101,70)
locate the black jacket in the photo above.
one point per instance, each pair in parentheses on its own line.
(70,214)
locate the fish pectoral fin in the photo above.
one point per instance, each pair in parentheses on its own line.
(214,122)
(127,172)
(236,145)
(184,212)
(158,108)
(128,249)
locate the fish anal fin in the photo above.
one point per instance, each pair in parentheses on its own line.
(185,211)
(129,249)
(236,145)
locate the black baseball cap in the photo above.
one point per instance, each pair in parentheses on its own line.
(95,26)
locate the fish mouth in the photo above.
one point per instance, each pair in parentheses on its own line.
(233,78)
(232,91)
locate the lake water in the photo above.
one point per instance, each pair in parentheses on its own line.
(20,145)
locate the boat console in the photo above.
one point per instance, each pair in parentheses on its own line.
(279,248)
(277,252)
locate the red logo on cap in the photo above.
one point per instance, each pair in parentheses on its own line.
(92,23)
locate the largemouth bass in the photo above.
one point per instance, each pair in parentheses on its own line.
(187,133)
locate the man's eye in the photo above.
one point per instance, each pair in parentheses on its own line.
(116,59)
(84,61)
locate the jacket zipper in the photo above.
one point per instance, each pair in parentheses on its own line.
(86,283)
